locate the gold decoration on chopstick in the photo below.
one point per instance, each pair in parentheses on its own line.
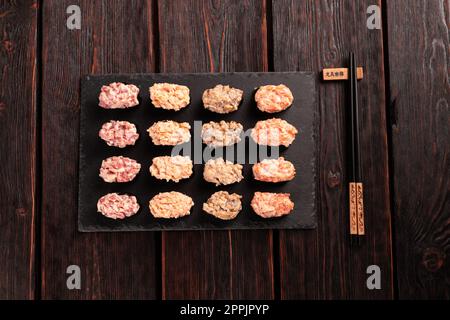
(353,209)
(360,208)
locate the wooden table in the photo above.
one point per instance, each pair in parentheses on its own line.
(405,134)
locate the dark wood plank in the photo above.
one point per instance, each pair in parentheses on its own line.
(419,98)
(311,35)
(220,36)
(116,265)
(18,32)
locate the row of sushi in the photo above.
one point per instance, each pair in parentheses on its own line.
(220,99)
(119,169)
(272,132)
(174,205)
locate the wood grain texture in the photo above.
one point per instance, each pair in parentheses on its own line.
(419,57)
(321,264)
(18,32)
(114,265)
(215,36)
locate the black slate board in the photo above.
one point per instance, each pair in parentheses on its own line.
(302,153)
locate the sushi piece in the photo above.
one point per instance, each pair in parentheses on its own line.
(223,205)
(169,96)
(222,99)
(221,134)
(119,169)
(271,205)
(116,206)
(118,95)
(119,133)
(274,170)
(274,132)
(222,172)
(169,133)
(170,205)
(273,99)
(171,168)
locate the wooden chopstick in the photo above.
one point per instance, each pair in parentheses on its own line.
(352,174)
(356,188)
(359,183)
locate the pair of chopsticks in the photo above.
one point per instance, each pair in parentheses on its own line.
(356,190)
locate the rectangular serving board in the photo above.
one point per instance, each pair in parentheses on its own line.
(302,153)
